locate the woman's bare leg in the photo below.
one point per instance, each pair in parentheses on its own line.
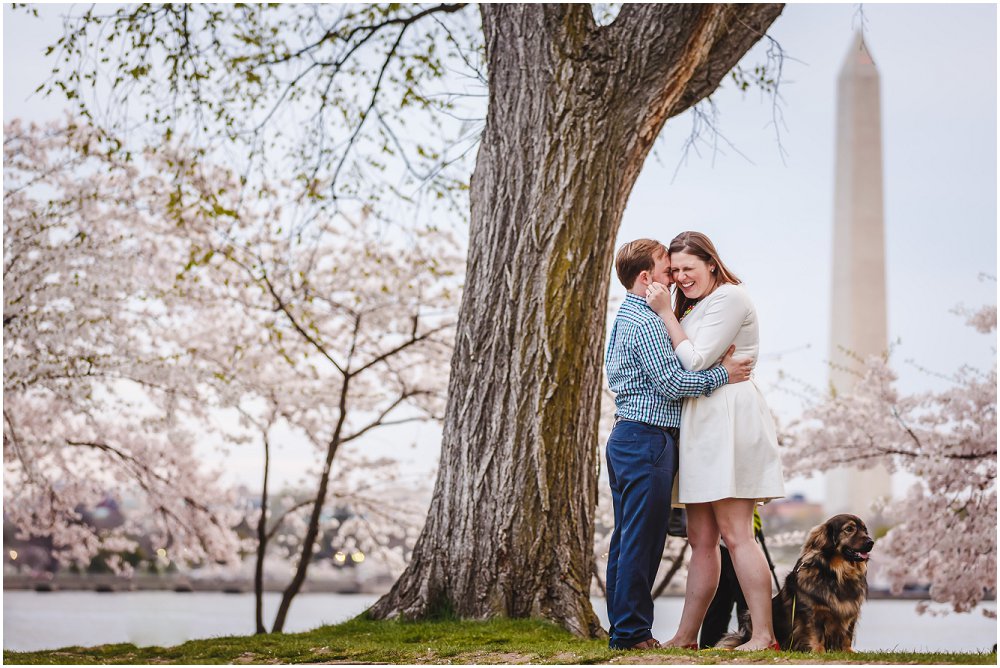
(735,521)
(703,573)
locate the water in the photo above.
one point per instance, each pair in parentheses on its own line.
(34,621)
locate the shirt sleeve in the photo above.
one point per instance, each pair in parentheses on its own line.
(664,370)
(724,315)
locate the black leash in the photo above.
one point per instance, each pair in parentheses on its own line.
(763,546)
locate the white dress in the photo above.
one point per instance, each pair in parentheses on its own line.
(728,445)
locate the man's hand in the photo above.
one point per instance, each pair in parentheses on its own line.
(738,369)
(658,298)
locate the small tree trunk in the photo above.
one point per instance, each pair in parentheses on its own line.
(600,579)
(574,109)
(312,528)
(305,556)
(675,566)
(258,576)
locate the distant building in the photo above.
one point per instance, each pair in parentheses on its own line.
(792,513)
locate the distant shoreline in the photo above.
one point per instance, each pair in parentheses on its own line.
(182,584)
(347,585)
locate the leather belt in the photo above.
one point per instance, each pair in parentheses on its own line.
(673,431)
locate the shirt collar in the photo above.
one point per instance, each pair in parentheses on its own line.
(635,300)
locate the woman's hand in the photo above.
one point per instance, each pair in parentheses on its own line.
(658,298)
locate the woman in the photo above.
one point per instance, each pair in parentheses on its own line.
(728,447)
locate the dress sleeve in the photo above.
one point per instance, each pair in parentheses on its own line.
(723,318)
(664,370)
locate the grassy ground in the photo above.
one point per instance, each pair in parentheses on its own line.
(443,642)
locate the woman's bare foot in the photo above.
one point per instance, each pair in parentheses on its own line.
(757,644)
(680,643)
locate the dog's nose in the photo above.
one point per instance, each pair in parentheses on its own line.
(868,546)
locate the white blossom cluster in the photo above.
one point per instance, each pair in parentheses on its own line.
(92,392)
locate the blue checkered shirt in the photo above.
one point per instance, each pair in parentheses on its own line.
(645,374)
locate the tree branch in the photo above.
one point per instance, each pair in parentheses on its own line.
(380,420)
(371,29)
(281,518)
(398,349)
(597,576)
(295,323)
(669,575)
(137,469)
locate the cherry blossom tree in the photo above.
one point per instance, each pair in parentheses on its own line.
(224,302)
(356,341)
(945,527)
(343,328)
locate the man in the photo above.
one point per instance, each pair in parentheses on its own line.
(648,382)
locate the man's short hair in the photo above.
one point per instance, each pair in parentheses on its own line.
(636,257)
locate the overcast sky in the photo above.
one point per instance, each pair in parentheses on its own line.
(772,219)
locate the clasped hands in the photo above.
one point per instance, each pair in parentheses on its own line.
(739,370)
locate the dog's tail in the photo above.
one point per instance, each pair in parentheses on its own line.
(733,640)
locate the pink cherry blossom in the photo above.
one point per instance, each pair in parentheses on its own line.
(944,530)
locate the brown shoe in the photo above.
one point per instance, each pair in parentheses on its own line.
(651,643)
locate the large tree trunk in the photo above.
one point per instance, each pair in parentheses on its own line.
(574,109)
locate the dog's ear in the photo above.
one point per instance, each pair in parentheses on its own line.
(833,531)
(817,540)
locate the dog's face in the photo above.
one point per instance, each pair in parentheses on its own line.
(846,535)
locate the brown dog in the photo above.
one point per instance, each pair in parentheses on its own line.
(817,609)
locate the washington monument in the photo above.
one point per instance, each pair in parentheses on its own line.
(858,309)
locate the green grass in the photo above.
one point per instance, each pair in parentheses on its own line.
(442,642)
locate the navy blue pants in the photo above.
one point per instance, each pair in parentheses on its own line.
(642,461)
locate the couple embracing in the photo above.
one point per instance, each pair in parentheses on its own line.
(721,446)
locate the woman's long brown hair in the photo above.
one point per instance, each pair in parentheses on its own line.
(697,244)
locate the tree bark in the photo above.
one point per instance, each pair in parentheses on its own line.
(574,109)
